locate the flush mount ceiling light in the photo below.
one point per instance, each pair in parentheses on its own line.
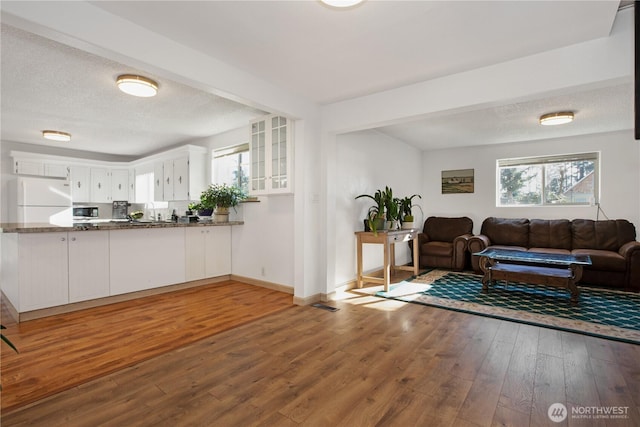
(137,85)
(55,135)
(552,119)
(341,3)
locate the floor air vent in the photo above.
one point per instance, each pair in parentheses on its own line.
(324,307)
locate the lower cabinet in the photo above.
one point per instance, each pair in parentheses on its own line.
(88,265)
(43,276)
(146,258)
(48,269)
(208,252)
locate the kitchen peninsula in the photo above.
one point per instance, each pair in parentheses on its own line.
(49,269)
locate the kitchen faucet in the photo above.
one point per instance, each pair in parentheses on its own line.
(153,207)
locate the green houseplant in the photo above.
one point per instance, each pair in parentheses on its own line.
(392,206)
(406,214)
(376,215)
(219,198)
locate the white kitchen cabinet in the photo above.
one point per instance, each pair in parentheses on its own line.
(56,170)
(119,184)
(271,148)
(167,184)
(43,275)
(100,185)
(158,181)
(28,167)
(88,265)
(180,178)
(145,258)
(208,252)
(80,184)
(132,186)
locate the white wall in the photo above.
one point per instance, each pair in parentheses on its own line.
(367,161)
(619,178)
(263,247)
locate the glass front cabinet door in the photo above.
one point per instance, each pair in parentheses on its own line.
(271,156)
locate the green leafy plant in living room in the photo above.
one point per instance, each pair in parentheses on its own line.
(406,206)
(392,206)
(376,214)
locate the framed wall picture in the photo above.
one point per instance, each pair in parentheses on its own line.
(457,181)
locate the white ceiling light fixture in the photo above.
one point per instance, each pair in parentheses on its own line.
(55,135)
(137,85)
(553,119)
(341,3)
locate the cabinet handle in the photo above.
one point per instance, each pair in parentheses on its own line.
(119,186)
(79,184)
(158,182)
(99,185)
(167,180)
(63,239)
(73,239)
(180,179)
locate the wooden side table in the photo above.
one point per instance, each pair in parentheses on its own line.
(388,238)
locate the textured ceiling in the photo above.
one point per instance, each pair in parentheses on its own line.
(599,110)
(48,85)
(327,54)
(310,50)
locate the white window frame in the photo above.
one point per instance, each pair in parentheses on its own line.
(228,151)
(542,161)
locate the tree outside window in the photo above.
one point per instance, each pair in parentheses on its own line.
(555,180)
(231,166)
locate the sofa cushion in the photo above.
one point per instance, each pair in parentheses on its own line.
(551,250)
(603,260)
(607,235)
(439,249)
(550,233)
(444,229)
(507,231)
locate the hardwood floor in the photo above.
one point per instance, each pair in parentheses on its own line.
(373,362)
(62,351)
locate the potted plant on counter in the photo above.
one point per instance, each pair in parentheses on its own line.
(219,198)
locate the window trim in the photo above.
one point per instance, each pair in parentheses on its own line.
(545,160)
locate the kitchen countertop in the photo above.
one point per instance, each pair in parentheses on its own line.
(119,225)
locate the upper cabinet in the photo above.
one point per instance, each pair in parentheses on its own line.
(271,156)
(80,184)
(100,185)
(40,167)
(182,176)
(120,184)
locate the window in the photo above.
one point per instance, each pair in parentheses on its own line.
(570,179)
(145,193)
(231,166)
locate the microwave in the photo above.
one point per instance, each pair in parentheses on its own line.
(85,212)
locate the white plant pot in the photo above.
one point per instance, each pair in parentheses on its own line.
(407,225)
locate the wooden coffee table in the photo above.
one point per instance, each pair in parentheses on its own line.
(542,268)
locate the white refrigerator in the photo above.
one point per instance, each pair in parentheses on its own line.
(41,200)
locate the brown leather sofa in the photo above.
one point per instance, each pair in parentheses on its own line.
(611,244)
(443,242)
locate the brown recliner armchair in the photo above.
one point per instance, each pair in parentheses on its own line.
(443,242)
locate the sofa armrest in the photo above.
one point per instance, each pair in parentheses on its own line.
(422,239)
(460,246)
(477,244)
(631,253)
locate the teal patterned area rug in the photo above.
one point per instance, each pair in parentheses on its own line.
(602,313)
